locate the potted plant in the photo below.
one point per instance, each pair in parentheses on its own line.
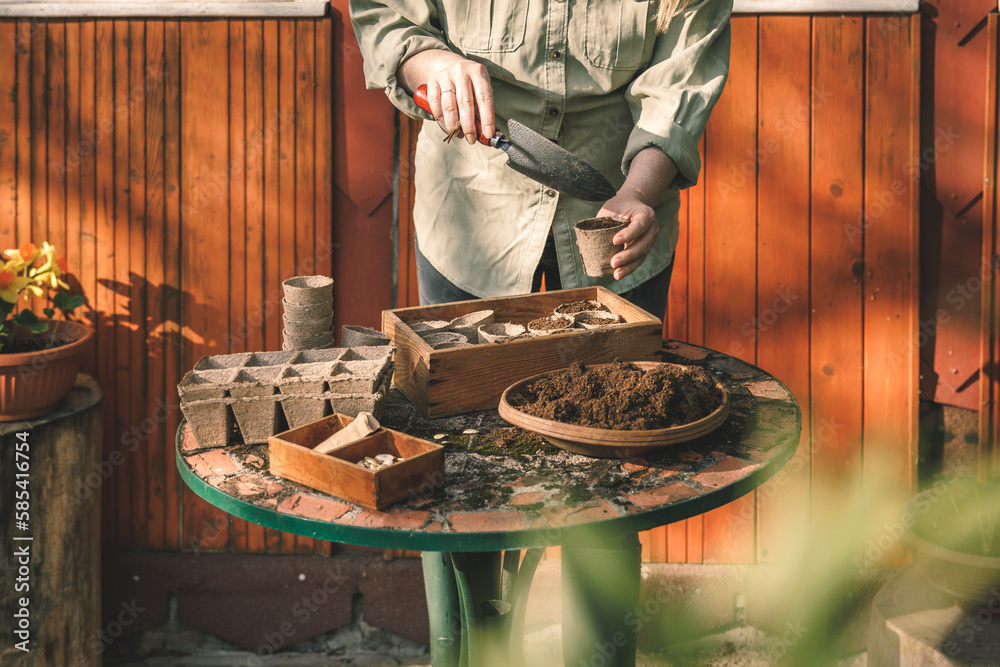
(955,538)
(39,356)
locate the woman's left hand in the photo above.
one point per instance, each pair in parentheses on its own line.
(638,236)
(649,175)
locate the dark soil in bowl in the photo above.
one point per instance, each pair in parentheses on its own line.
(621,396)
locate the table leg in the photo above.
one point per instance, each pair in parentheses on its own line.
(600,595)
(476,603)
(518,597)
(443,611)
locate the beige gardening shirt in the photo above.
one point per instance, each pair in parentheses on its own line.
(593,75)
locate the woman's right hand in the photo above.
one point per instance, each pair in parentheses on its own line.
(458,90)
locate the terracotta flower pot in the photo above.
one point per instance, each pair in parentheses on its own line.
(967,579)
(37,383)
(593,236)
(952,534)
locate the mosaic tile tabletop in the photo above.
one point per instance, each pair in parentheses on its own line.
(491,502)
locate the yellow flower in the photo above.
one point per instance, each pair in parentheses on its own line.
(49,272)
(11,284)
(25,255)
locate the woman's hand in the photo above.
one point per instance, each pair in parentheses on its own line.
(638,236)
(458,90)
(648,177)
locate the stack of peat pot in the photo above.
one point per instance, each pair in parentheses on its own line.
(308,313)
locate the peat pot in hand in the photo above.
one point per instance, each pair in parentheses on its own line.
(36,382)
(594,238)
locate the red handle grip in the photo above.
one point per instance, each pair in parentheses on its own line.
(420,99)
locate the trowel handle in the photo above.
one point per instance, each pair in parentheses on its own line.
(420,99)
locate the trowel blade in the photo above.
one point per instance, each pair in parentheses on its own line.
(540,159)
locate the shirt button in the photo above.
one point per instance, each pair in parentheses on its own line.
(553,112)
(550,193)
(556,55)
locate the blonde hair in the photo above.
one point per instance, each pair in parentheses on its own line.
(667,10)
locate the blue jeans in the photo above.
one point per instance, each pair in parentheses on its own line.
(600,574)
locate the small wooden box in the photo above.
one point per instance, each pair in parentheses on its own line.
(292,457)
(465,379)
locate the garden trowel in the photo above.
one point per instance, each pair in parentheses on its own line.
(540,159)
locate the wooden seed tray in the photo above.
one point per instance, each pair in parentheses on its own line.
(292,457)
(465,379)
(608,443)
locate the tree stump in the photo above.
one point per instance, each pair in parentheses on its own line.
(50,538)
(913,624)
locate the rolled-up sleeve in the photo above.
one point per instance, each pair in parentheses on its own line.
(389,33)
(672,97)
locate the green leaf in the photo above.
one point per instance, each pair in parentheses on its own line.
(25,318)
(61,299)
(38,327)
(74,302)
(49,313)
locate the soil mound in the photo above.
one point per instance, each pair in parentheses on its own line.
(621,396)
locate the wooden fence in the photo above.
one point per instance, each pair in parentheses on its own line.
(187,167)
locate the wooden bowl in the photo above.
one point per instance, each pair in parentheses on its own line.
(608,443)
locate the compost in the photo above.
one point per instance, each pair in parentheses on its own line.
(621,396)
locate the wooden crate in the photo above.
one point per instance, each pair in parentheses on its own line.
(292,457)
(465,379)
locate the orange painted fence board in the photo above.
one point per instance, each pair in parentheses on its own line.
(730,256)
(890,278)
(781,325)
(837,269)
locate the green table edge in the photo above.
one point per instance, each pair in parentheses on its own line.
(481,541)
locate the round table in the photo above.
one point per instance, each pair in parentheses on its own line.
(491,504)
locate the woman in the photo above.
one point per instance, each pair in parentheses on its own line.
(627,86)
